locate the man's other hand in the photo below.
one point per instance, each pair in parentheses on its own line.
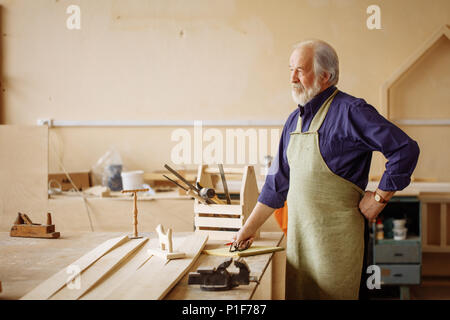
(369,207)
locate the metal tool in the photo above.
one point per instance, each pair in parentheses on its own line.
(219,279)
(209,194)
(179,176)
(194,189)
(224,183)
(235,245)
(189,192)
(179,185)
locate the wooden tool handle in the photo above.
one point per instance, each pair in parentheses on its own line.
(49,218)
(135,190)
(191,193)
(216,200)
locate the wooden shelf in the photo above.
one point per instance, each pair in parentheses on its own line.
(435,222)
(411,239)
(435,281)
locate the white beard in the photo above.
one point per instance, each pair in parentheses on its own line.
(302,96)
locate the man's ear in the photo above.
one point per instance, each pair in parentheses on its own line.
(325,78)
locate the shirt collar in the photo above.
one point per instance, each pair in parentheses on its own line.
(315,103)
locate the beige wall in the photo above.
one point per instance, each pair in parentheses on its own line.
(186,60)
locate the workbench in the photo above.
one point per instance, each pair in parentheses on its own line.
(26,262)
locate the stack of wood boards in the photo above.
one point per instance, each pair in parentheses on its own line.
(120,268)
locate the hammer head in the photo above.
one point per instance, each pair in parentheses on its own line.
(207,193)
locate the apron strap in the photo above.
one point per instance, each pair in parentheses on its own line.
(318,119)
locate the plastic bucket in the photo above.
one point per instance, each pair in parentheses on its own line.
(132,180)
(400,234)
(399,223)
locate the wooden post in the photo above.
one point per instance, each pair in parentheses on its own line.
(135,211)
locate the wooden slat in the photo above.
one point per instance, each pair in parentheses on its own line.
(443,225)
(119,275)
(435,248)
(218,222)
(157,276)
(95,273)
(213,170)
(46,289)
(217,235)
(424,224)
(234,209)
(407,64)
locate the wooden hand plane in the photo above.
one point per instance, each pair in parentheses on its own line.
(24,227)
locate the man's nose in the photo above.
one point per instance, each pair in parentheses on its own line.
(294,76)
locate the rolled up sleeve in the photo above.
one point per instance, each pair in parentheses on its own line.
(275,189)
(376,133)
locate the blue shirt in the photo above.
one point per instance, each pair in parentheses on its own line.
(351,131)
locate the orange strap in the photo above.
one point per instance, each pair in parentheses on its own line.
(281,216)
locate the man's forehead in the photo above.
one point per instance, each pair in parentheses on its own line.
(302,55)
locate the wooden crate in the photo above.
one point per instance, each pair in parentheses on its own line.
(435,222)
(222,221)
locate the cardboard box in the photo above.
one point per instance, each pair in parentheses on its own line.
(80,179)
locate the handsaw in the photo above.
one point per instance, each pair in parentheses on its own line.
(224,182)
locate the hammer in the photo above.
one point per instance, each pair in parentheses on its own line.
(209,193)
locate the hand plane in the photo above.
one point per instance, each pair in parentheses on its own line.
(24,227)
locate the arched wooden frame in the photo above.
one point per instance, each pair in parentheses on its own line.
(407,65)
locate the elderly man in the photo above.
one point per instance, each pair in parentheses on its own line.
(322,169)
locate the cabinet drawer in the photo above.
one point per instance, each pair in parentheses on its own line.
(391,253)
(400,274)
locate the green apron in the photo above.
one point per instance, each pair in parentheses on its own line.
(325,236)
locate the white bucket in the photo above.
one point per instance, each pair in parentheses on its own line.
(400,234)
(399,223)
(132,180)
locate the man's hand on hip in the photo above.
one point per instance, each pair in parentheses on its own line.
(369,207)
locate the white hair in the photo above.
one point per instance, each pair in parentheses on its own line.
(325,59)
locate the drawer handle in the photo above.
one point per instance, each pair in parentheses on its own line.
(398,254)
(398,275)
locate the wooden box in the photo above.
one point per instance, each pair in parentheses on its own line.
(80,179)
(222,221)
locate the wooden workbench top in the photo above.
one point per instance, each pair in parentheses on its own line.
(26,262)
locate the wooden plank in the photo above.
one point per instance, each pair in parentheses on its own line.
(258,266)
(157,277)
(435,248)
(443,225)
(226,170)
(234,209)
(31,230)
(219,222)
(424,227)
(217,235)
(46,289)
(23,172)
(448,225)
(252,251)
(95,273)
(119,275)
(279,272)
(263,290)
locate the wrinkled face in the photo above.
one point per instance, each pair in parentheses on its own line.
(305,84)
